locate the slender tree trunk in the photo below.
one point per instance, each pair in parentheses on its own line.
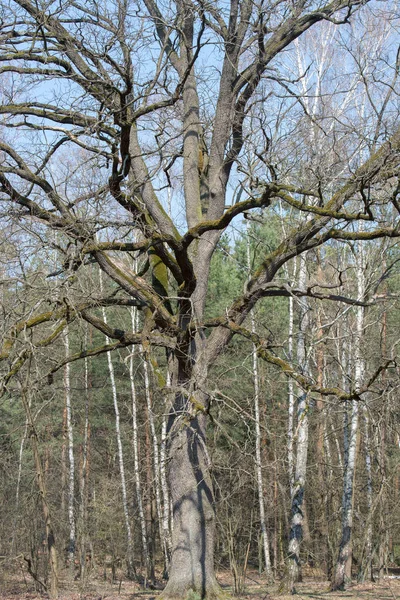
(291,403)
(150,529)
(258,462)
(297,511)
(323,529)
(138,484)
(260,486)
(156,459)
(51,544)
(130,563)
(366,565)
(165,491)
(344,562)
(130,553)
(71,460)
(64,460)
(383,530)
(276,510)
(17,491)
(84,479)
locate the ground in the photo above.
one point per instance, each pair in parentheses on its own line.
(13,587)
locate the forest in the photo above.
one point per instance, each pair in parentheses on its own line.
(199,295)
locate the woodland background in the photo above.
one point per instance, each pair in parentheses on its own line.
(83,433)
(84,438)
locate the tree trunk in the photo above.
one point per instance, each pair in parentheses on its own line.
(136,453)
(192,559)
(150,529)
(165,491)
(297,511)
(258,463)
(344,561)
(366,563)
(84,477)
(156,458)
(71,459)
(323,550)
(130,563)
(51,544)
(17,491)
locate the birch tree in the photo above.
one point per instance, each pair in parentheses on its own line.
(121,461)
(71,459)
(344,561)
(258,463)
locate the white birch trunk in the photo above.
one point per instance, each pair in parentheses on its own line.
(344,562)
(258,463)
(156,458)
(17,491)
(164,483)
(138,484)
(297,518)
(71,459)
(83,490)
(130,554)
(290,401)
(260,486)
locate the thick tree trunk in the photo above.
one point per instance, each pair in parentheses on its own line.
(192,558)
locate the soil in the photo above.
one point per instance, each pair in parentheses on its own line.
(13,587)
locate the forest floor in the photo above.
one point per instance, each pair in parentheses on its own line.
(13,587)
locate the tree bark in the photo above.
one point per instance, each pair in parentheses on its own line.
(297,509)
(17,491)
(71,460)
(138,484)
(156,458)
(51,544)
(130,553)
(344,562)
(84,477)
(258,462)
(192,558)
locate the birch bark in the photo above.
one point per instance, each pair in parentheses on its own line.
(138,484)
(344,562)
(156,457)
(130,553)
(71,461)
(84,476)
(297,508)
(258,462)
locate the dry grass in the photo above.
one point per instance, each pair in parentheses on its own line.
(13,587)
